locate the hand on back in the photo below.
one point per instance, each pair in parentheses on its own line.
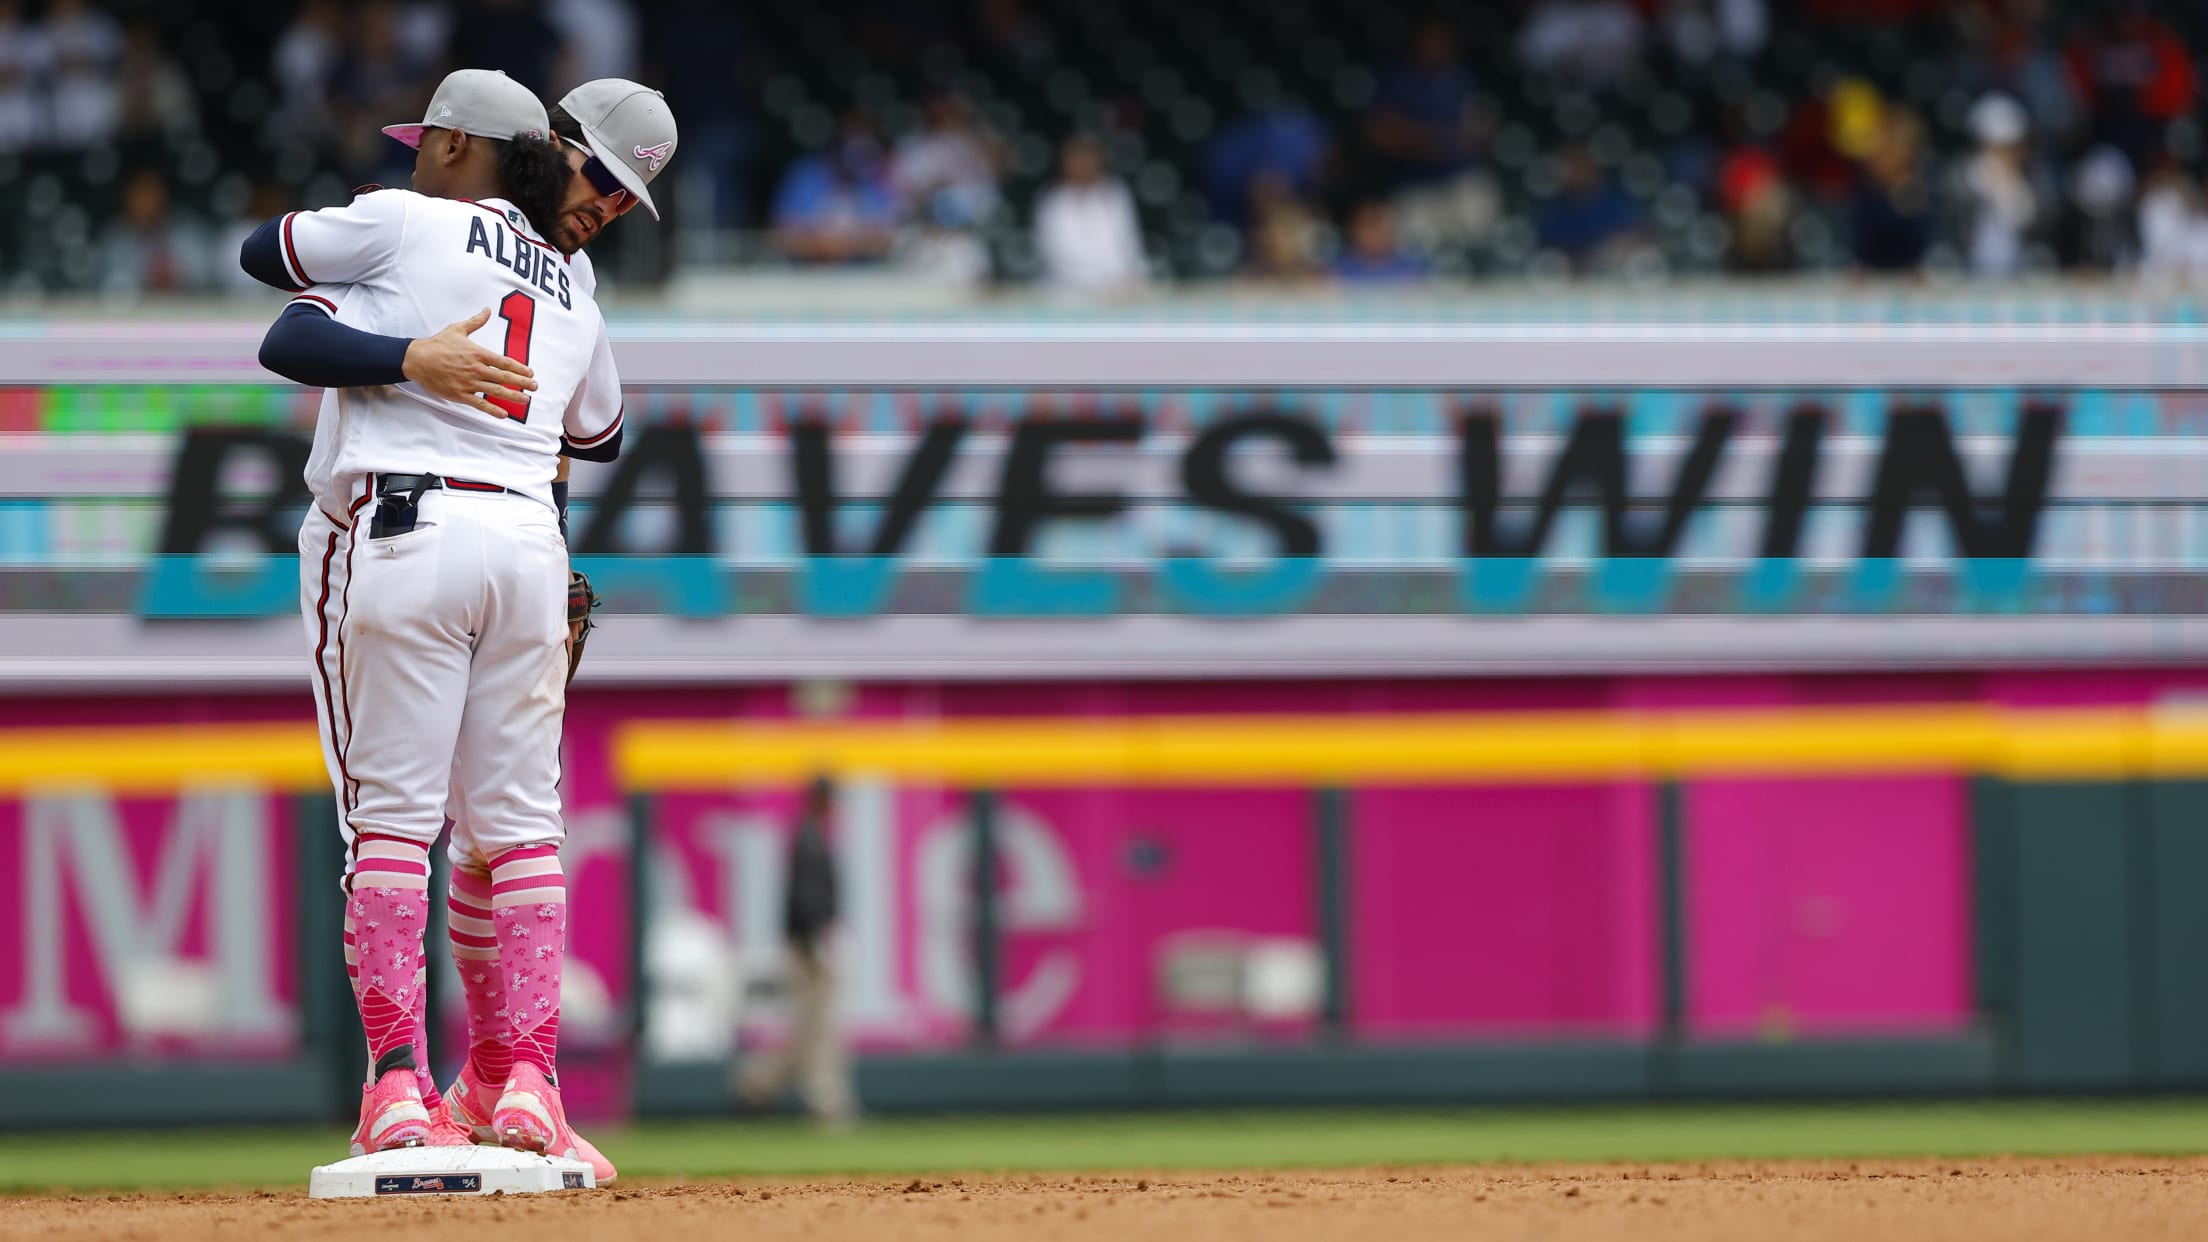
(451,366)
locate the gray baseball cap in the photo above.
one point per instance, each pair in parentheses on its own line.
(483,102)
(629,128)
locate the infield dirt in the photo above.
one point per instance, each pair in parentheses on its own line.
(2011,1199)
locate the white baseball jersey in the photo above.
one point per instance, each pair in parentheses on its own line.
(402,264)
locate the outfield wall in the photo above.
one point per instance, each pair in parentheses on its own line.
(1947,930)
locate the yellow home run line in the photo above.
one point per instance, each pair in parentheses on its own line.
(158,758)
(1488,748)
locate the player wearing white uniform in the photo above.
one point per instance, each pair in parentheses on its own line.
(434,579)
(619,135)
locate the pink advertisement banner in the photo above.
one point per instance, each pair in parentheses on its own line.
(168,925)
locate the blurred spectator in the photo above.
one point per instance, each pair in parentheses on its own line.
(1420,121)
(1085,226)
(1284,231)
(1702,31)
(148,249)
(1429,131)
(1758,205)
(1589,215)
(268,200)
(24,53)
(1282,142)
(2136,76)
(598,40)
(2009,51)
(1590,41)
(2099,231)
(378,83)
(303,63)
(946,177)
(698,54)
(1998,200)
(1373,255)
(510,35)
(87,44)
(2173,229)
(947,170)
(839,206)
(1890,216)
(154,99)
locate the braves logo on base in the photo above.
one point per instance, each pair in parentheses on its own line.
(450,1184)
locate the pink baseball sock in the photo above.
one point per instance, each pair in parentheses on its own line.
(431,1097)
(482,978)
(529,915)
(388,909)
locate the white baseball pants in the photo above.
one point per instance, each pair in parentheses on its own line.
(439,669)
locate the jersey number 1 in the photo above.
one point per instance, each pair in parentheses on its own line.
(519,310)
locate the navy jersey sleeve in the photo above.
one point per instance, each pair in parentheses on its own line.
(308,346)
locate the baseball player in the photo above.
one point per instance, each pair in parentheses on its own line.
(622,117)
(434,576)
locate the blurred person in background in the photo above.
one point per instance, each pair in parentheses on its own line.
(1284,232)
(814,1060)
(1758,205)
(2173,226)
(24,51)
(2135,74)
(1999,203)
(2008,49)
(949,168)
(1278,140)
(87,44)
(1590,217)
(946,175)
(1428,132)
(267,200)
(302,64)
(149,248)
(1890,214)
(2099,232)
(1590,41)
(1372,254)
(377,78)
(599,39)
(839,207)
(1700,32)
(154,99)
(700,51)
(1086,230)
(512,36)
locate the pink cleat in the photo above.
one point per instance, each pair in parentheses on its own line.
(391,1114)
(446,1132)
(470,1103)
(529,1118)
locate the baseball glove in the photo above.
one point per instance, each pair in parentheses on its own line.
(581,602)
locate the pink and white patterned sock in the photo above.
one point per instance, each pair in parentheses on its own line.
(388,909)
(423,1078)
(482,978)
(529,917)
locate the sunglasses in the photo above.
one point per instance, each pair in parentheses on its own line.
(601,179)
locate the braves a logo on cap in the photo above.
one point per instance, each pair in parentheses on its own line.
(655,156)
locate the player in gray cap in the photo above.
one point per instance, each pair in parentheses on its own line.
(619,136)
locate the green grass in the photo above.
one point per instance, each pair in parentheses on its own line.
(1217,1140)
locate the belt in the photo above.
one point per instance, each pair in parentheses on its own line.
(412,485)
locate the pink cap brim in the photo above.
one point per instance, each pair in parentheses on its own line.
(411,135)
